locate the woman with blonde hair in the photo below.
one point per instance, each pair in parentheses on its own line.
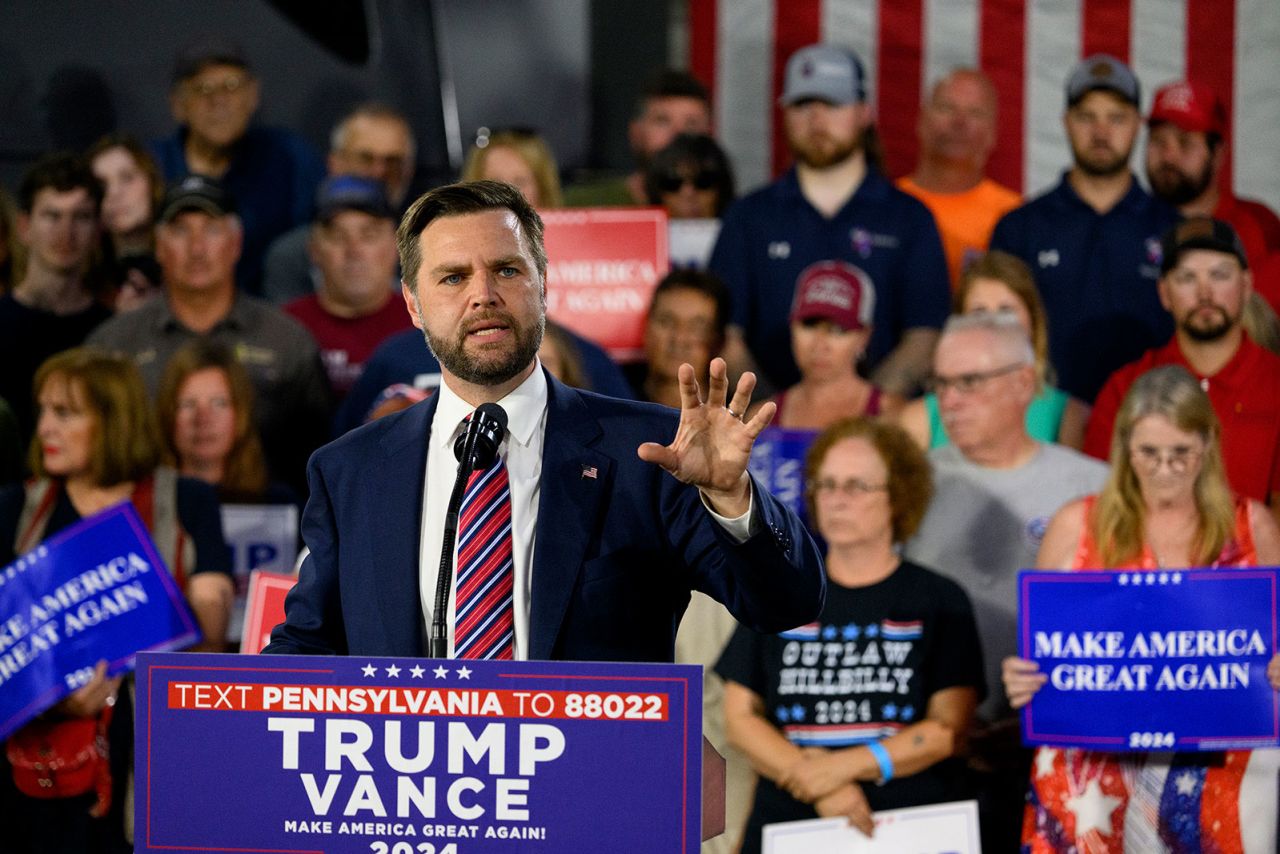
(1000,282)
(519,157)
(1166,504)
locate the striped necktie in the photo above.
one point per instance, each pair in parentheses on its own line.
(485,626)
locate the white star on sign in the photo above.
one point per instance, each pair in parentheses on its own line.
(1186,783)
(464,672)
(416,671)
(1044,761)
(440,672)
(393,670)
(369,670)
(1093,810)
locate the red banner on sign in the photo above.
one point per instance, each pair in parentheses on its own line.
(264,608)
(602,267)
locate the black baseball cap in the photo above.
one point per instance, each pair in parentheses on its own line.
(197,193)
(352,193)
(1200,232)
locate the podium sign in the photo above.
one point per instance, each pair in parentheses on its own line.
(1158,660)
(315,753)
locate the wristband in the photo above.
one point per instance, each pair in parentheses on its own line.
(883,760)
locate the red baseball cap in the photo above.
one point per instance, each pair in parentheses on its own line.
(835,291)
(1190,106)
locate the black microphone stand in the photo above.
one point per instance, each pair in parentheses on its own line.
(475,449)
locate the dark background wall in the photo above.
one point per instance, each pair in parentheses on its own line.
(70,70)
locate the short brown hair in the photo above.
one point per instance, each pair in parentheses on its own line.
(910,477)
(467,197)
(244,472)
(125,439)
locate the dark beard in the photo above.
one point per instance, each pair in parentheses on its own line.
(1105,169)
(482,371)
(1177,188)
(1214,331)
(827,157)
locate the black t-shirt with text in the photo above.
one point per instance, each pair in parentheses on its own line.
(865,670)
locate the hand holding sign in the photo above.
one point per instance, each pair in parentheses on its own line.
(1022,679)
(91,697)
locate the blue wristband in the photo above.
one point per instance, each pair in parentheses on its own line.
(883,760)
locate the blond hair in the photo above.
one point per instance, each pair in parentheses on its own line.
(1120,511)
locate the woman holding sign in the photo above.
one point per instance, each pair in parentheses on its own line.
(96,445)
(1166,504)
(865,709)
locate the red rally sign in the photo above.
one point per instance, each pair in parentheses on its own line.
(602,267)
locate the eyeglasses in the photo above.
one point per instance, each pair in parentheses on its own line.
(968,383)
(851,488)
(226,86)
(704,179)
(1179,458)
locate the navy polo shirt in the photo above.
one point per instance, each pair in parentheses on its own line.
(769,237)
(1097,275)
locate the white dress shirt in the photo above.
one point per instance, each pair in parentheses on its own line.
(521,451)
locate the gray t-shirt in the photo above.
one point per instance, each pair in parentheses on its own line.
(984,525)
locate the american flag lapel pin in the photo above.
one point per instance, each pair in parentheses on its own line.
(590,471)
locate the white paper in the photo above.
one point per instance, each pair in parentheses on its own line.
(261,536)
(935,829)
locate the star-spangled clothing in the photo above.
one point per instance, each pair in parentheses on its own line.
(521,449)
(1111,803)
(822,692)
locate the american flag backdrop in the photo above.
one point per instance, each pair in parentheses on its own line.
(1028,47)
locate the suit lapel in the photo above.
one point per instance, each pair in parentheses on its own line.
(575,480)
(395,482)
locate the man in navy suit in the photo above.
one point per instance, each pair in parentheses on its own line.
(610,529)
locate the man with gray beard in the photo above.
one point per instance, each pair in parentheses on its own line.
(1204,285)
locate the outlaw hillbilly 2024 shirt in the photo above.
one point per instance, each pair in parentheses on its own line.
(865,670)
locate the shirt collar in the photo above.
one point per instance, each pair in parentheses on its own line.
(524,405)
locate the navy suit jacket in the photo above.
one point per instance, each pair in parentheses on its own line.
(620,543)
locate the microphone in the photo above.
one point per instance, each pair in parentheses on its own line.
(475,449)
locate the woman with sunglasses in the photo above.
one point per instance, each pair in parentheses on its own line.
(691,178)
(812,708)
(1165,504)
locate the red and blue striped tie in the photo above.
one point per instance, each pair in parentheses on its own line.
(485,626)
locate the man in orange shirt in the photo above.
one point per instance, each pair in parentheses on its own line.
(957,130)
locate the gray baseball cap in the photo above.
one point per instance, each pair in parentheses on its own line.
(823,72)
(1102,72)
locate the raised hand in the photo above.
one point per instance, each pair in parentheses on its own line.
(713,443)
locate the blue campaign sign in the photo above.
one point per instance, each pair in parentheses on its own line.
(1151,660)
(777,462)
(95,591)
(415,756)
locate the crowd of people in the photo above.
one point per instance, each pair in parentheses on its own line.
(1084,379)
